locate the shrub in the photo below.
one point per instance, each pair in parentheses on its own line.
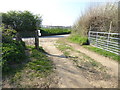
(98,18)
(12,51)
(21,21)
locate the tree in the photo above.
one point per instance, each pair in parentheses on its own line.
(21,21)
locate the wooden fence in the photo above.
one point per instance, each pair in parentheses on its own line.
(104,40)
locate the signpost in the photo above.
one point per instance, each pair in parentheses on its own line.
(37,34)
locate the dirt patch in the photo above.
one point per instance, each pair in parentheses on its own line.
(70,76)
(95,72)
(111,64)
(28,81)
(26,77)
(73,72)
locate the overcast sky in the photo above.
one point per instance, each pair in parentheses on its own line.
(53,12)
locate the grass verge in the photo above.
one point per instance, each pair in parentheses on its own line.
(77,39)
(31,72)
(83,41)
(103,52)
(40,63)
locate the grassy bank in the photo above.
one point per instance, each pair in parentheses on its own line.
(84,42)
(77,39)
(30,73)
(40,63)
(103,52)
(13,53)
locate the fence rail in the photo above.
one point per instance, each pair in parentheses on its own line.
(104,40)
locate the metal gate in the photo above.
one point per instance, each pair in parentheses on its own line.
(104,40)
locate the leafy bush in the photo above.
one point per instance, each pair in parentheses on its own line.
(27,34)
(12,51)
(21,21)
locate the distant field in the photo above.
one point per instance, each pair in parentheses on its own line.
(54,31)
(48,32)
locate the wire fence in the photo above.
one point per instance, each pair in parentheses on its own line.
(104,40)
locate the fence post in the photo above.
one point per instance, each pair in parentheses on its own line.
(109,35)
(36,40)
(96,39)
(89,37)
(108,40)
(89,41)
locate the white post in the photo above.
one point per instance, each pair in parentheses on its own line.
(39,34)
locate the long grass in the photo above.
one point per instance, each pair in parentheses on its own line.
(103,52)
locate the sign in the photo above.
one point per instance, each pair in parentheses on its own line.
(39,34)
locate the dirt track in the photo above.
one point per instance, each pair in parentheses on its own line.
(69,75)
(112,65)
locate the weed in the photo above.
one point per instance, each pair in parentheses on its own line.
(63,46)
(66,53)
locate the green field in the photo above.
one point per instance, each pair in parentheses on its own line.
(54,31)
(47,32)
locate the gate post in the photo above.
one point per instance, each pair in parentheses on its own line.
(89,37)
(97,39)
(36,40)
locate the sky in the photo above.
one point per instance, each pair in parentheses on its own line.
(53,12)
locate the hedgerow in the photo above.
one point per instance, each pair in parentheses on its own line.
(13,51)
